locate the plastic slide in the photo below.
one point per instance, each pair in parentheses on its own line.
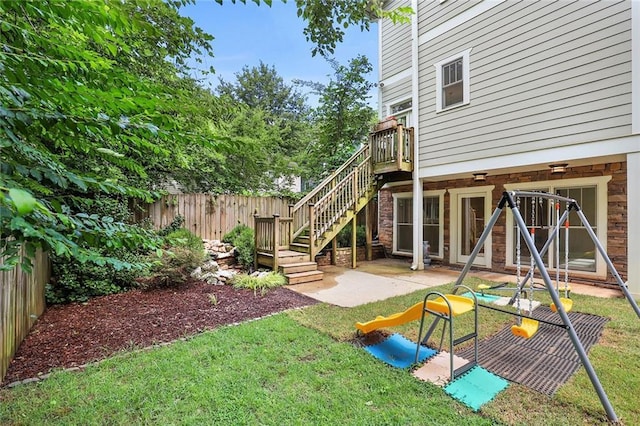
(411,314)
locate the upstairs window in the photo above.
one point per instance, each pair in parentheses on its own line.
(452,92)
(452,81)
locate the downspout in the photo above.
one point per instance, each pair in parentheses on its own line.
(633,161)
(418,261)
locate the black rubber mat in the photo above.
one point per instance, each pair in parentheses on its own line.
(545,361)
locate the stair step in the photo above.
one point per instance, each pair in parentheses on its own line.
(304,277)
(299,247)
(293,268)
(286,257)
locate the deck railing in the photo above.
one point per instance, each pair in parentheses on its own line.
(300,210)
(392,149)
(271,235)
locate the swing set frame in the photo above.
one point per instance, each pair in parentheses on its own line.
(509,200)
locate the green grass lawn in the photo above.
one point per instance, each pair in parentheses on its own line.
(300,367)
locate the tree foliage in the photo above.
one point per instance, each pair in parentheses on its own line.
(328,20)
(269,130)
(92,101)
(343,117)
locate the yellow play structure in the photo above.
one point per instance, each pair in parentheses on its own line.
(459,305)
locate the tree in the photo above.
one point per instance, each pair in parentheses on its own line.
(327,20)
(343,118)
(81,116)
(269,131)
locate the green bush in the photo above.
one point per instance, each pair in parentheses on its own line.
(73,281)
(263,283)
(175,224)
(186,239)
(230,237)
(184,252)
(344,236)
(243,239)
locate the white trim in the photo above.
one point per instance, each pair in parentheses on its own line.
(601,217)
(389,185)
(418,260)
(394,79)
(466,86)
(455,195)
(586,150)
(635,67)
(380,83)
(409,195)
(458,20)
(633,224)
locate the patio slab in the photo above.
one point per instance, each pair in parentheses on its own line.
(384,278)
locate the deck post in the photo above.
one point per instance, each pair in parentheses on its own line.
(334,250)
(369,231)
(400,145)
(354,234)
(312,232)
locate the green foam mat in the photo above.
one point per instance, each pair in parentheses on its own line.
(476,387)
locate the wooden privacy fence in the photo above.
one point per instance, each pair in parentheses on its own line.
(21,303)
(210,216)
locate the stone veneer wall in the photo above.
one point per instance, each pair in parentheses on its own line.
(617,211)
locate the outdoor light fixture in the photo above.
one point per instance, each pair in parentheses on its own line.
(558,169)
(479,177)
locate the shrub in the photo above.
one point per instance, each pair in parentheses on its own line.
(344,236)
(230,237)
(186,239)
(175,224)
(73,281)
(185,252)
(242,238)
(262,283)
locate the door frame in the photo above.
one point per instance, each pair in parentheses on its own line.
(455,223)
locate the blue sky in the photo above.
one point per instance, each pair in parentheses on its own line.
(245,34)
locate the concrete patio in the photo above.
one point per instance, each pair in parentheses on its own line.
(384,278)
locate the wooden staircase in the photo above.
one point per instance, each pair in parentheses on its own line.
(290,244)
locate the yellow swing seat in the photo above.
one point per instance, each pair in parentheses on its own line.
(567,304)
(527,328)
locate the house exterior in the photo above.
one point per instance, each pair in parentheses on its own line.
(497,92)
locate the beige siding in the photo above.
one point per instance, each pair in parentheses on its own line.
(396,44)
(393,93)
(542,75)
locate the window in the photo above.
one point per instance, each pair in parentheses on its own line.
(452,81)
(591,196)
(432,226)
(402,112)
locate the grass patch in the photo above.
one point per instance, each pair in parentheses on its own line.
(259,282)
(271,371)
(616,357)
(300,368)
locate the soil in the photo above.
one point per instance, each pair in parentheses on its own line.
(72,335)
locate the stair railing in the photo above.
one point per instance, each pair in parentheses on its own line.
(300,210)
(328,210)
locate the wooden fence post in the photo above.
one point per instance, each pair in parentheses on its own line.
(276,240)
(255,241)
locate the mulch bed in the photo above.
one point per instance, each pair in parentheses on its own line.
(72,335)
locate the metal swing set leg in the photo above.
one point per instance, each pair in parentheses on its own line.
(508,200)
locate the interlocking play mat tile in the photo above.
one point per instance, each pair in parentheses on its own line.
(437,369)
(399,351)
(476,387)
